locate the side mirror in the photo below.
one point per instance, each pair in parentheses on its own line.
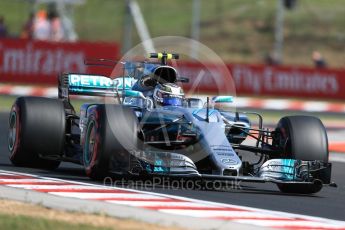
(223,99)
(195,103)
(133,93)
(138,99)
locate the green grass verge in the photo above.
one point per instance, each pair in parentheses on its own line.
(30,223)
(238,30)
(272,117)
(6,103)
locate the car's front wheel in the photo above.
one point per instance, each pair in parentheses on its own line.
(110,137)
(302,138)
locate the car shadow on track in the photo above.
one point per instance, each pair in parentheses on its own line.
(270,192)
(244,189)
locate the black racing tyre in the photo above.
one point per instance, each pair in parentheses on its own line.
(303,138)
(111,135)
(301,188)
(36,127)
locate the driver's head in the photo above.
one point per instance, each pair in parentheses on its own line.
(168,94)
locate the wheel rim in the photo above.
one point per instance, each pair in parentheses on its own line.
(89,143)
(12,134)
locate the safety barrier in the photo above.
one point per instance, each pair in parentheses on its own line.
(38,62)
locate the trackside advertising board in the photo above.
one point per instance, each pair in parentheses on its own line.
(33,62)
(289,81)
(263,80)
(38,62)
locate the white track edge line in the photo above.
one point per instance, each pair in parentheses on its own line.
(285,214)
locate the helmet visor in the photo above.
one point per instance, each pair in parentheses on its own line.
(173,101)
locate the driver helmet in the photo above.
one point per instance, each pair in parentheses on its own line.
(168,94)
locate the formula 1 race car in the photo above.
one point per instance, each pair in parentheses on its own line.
(147,127)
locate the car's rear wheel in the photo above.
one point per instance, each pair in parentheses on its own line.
(111,134)
(36,129)
(302,138)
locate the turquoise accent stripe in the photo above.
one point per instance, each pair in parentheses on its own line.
(210,112)
(223,99)
(289,168)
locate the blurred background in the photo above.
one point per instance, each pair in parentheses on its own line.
(285,56)
(238,30)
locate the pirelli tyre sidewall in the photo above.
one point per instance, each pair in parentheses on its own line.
(36,128)
(95,167)
(103,144)
(303,138)
(14,130)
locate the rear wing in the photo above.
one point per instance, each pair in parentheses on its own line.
(92,85)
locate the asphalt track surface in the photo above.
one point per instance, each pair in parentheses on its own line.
(329,203)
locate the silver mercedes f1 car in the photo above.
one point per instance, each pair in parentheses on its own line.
(147,127)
